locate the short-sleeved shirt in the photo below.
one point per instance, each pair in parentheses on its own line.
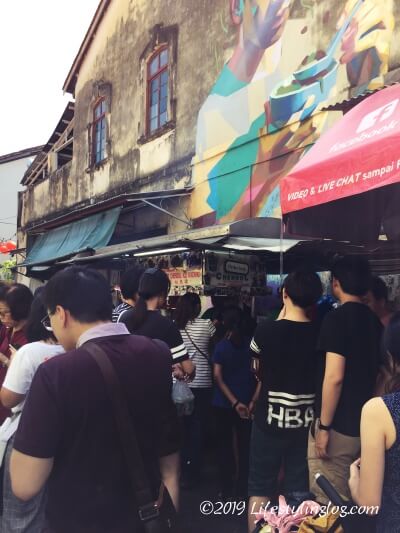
(157,326)
(120,310)
(68,416)
(235,361)
(354,332)
(15,339)
(24,365)
(197,336)
(288,357)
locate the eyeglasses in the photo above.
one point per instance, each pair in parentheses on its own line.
(46,323)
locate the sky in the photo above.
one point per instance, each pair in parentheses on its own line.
(39,40)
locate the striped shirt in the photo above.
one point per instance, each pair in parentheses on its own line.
(119,311)
(197,336)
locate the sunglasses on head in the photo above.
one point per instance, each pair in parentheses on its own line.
(46,323)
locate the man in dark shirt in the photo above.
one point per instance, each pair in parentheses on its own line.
(350,343)
(287,353)
(68,437)
(145,318)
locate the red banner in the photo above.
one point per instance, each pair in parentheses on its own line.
(359,153)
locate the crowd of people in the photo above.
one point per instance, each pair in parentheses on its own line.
(91,440)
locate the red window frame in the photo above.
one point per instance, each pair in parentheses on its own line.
(150,79)
(101,119)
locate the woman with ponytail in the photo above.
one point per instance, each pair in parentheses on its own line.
(197,334)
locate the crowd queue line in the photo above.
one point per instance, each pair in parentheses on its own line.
(311,392)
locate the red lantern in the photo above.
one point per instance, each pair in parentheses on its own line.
(10,245)
(7,246)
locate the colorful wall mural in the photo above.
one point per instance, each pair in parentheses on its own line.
(292,59)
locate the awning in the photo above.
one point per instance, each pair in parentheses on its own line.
(248,235)
(259,244)
(89,233)
(359,153)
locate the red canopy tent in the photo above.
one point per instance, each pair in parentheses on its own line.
(350,180)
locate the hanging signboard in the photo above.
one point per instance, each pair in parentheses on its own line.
(183,280)
(226,273)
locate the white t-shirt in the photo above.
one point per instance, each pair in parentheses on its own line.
(24,365)
(200,331)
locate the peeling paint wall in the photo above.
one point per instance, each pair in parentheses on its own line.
(238,124)
(198,37)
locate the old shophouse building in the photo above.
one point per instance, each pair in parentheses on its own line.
(187,114)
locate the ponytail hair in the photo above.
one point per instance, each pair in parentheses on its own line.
(391,346)
(154,282)
(187,309)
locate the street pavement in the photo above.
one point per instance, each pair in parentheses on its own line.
(226,518)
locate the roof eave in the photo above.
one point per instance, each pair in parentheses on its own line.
(70,81)
(21,154)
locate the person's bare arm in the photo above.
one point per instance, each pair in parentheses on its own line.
(28,474)
(170,473)
(256,395)
(366,476)
(9,398)
(331,391)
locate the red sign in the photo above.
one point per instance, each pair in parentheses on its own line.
(180,277)
(359,153)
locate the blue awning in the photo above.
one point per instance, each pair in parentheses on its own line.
(88,233)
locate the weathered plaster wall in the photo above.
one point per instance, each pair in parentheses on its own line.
(227,113)
(116,59)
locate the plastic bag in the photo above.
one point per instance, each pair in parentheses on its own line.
(183,398)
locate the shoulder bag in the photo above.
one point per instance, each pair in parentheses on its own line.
(155,516)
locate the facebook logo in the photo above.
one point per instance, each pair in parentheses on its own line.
(379,115)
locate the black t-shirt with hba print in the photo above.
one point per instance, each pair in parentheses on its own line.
(288,358)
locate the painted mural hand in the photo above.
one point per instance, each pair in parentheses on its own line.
(366,43)
(264,21)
